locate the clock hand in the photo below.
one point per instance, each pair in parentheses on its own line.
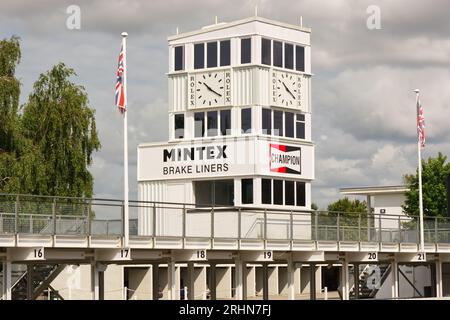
(209,88)
(287,89)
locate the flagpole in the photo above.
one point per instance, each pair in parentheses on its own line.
(125,146)
(419,157)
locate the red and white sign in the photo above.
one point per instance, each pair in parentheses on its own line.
(286,159)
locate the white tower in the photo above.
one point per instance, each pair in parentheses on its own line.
(239,122)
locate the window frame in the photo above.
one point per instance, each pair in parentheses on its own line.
(175,125)
(175,58)
(241,51)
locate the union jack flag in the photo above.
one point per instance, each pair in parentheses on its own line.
(120,85)
(420,124)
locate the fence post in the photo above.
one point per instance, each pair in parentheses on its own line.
(89,230)
(359,227)
(184,222)
(16,216)
(123,223)
(30,227)
(316,222)
(418,230)
(338,232)
(239,227)
(399,230)
(292,227)
(379,227)
(436,230)
(154,219)
(265,226)
(54,215)
(107,228)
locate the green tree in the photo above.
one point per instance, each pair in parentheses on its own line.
(434,173)
(349,206)
(60,124)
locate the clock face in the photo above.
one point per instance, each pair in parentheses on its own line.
(286,89)
(210,89)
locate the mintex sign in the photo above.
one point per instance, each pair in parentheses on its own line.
(285,159)
(228,157)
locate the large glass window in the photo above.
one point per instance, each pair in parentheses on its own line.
(214,193)
(211,49)
(247,191)
(225,122)
(266,121)
(265,51)
(301,193)
(289,124)
(179,58)
(266,191)
(246,50)
(299,58)
(277,191)
(289,193)
(277,54)
(288,56)
(278,123)
(199,124)
(246,120)
(199,56)
(225,53)
(212,123)
(179,126)
(300,129)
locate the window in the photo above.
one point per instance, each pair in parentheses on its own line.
(179,58)
(247,191)
(246,50)
(266,121)
(212,123)
(301,197)
(299,58)
(288,56)
(277,54)
(179,126)
(300,130)
(278,123)
(246,120)
(289,193)
(211,48)
(265,52)
(199,56)
(277,191)
(225,122)
(214,193)
(289,124)
(199,124)
(266,191)
(225,53)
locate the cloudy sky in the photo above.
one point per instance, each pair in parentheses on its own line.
(363,104)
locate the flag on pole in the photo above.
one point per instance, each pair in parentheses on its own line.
(120,85)
(420,124)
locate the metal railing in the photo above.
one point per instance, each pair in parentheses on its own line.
(27,214)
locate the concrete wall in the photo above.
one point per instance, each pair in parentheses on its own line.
(139,283)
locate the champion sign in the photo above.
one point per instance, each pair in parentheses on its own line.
(285,159)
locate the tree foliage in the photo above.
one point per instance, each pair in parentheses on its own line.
(434,173)
(47,149)
(349,206)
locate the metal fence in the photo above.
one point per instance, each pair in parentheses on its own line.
(26,214)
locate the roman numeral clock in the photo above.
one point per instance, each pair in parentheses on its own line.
(210,89)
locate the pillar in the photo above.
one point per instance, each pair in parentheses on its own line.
(95,285)
(290,278)
(239,278)
(200,285)
(251,281)
(212,281)
(439,291)
(265,279)
(30,289)
(394,279)
(155,281)
(7,265)
(312,282)
(191,281)
(345,281)
(356,279)
(171,280)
